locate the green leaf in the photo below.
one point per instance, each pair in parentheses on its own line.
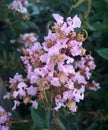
(91,27)
(20,25)
(93,126)
(49,120)
(103,53)
(33,25)
(35,10)
(38,121)
(61,125)
(19,124)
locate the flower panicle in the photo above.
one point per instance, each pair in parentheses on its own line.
(59,65)
(4,119)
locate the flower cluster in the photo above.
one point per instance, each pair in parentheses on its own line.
(4,119)
(19,5)
(57,71)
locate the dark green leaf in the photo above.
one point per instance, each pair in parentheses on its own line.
(60,123)
(20,25)
(37,119)
(49,120)
(32,25)
(103,53)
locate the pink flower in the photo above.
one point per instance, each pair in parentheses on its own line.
(69,59)
(40,71)
(4,119)
(59,103)
(76,22)
(15,94)
(33,77)
(78,94)
(66,68)
(59,19)
(69,21)
(36,46)
(50,37)
(16,78)
(6,96)
(44,58)
(94,86)
(75,43)
(87,72)
(19,93)
(34,104)
(53,51)
(31,90)
(76,51)
(66,30)
(81,64)
(68,95)
(79,78)
(16,103)
(54,81)
(62,43)
(4,127)
(22,85)
(70,84)
(27,39)
(24,60)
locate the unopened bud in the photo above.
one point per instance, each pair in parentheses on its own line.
(26,100)
(25,17)
(58,96)
(73,35)
(80,37)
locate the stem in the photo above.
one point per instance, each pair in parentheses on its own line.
(45,96)
(19,121)
(88,9)
(48,26)
(79,2)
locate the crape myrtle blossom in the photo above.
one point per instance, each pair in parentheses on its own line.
(19,5)
(59,66)
(4,119)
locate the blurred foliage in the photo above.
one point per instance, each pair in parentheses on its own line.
(103,52)
(93,111)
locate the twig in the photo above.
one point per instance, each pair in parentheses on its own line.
(13,121)
(88,9)
(79,2)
